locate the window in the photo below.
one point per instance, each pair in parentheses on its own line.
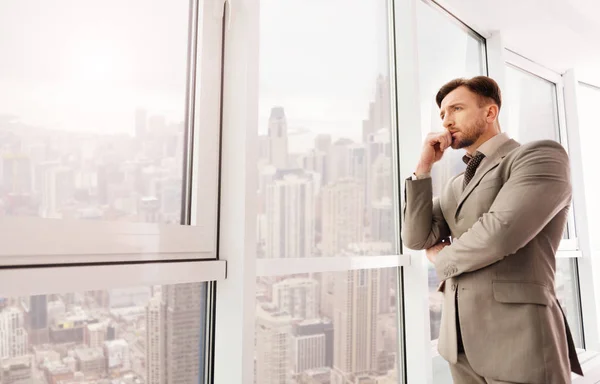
(136,334)
(447,50)
(312,326)
(326,194)
(533,100)
(96,130)
(108,157)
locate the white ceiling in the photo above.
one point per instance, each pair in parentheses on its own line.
(559,34)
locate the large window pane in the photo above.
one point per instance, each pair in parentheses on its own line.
(588,101)
(334,327)
(325,165)
(132,335)
(533,115)
(92,109)
(446,51)
(531,106)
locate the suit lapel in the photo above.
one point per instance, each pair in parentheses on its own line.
(495,159)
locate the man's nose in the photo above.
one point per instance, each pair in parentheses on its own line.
(448,122)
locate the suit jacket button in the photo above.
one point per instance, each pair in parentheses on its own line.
(454,287)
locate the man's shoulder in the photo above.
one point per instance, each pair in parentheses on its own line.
(539,146)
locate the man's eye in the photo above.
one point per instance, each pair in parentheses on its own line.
(457,108)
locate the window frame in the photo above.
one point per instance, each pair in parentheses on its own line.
(68,242)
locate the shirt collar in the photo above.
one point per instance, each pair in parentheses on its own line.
(489,147)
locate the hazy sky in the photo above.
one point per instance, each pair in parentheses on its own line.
(86,65)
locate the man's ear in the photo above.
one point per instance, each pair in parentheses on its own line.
(492,113)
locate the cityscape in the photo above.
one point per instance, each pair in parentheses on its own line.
(335,199)
(118,336)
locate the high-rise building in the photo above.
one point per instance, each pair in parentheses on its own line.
(58,189)
(13,336)
(382,220)
(312,345)
(355,321)
(379,109)
(278,138)
(299,297)
(343,215)
(323,142)
(273,347)
(17,173)
(38,319)
(184,306)
(155,342)
(290,215)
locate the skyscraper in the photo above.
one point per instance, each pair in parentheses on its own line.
(38,319)
(13,336)
(184,310)
(278,138)
(155,342)
(273,347)
(343,215)
(355,322)
(299,297)
(290,215)
(312,345)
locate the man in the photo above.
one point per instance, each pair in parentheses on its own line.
(492,236)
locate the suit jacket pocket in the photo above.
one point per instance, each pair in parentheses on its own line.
(521,292)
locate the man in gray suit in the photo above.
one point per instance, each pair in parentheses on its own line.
(493,236)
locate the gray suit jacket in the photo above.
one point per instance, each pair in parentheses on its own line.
(506,228)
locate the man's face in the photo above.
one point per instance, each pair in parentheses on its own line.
(463,117)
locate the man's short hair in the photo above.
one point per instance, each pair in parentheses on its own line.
(485,87)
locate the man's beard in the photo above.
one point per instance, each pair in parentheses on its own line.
(470,135)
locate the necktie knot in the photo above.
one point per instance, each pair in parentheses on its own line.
(472,167)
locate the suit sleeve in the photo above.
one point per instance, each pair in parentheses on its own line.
(537,189)
(424,224)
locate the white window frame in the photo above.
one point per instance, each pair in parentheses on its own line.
(65,241)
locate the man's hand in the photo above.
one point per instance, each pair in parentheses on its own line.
(433,251)
(433,149)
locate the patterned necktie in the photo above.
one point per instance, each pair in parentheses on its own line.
(472,167)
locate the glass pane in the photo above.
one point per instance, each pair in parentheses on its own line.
(325,165)
(588,101)
(133,335)
(440,39)
(567,292)
(531,107)
(334,328)
(446,51)
(92,122)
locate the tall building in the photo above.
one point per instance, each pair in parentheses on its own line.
(155,342)
(312,345)
(343,215)
(184,307)
(355,322)
(299,297)
(17,173)
(338,160)
(379,166)
(379,109)
(38,319)
(290,215)
(13,336)
(382,220)
(58,189)
(273,346)
(278,138)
